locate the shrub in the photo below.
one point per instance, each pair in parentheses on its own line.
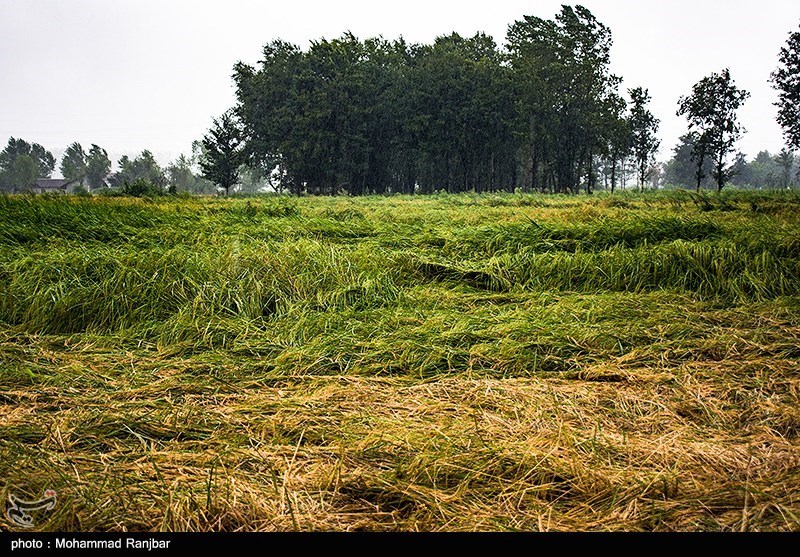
(81,191)
(141,188)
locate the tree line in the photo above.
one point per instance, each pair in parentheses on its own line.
(764,171)
(23,163)
(543,113)
(461,114)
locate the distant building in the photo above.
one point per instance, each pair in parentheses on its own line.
(52,185)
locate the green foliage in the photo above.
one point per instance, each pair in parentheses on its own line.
(144,168)
(786,80)
(375,116)
(764,171)
(22,173)
(73,163)
(81,191)
(22,163)
(182,179)
(98,166)
(569,107)
(222,152)
(141,188)
(109,192)
(644,130)
(711,111)
(785,160)
(682,169)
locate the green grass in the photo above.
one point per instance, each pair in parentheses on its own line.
(453,362)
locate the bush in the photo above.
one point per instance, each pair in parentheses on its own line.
(81,191)
(141,188)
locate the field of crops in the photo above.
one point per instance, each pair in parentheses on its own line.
(452,362)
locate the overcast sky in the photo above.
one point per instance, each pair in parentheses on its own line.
(150,74)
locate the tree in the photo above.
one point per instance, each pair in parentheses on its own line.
(201,184)
(21,163)
(179,175)
(741,171)
(222,152)
(23,172)
(620,140)
(643,128)
(374,116)
(73,163)
(460,113)
(681,169)
(711,112)
(566,95)
(146,168)
(125,175)
(143,168)
(785,160)
(98,166)
(765,171)
(786,80)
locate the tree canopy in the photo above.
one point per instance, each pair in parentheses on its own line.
(643,128)
(98,167)
(143,168)
(711,112)
(786,80)
(377,116)
(222,152)
(73,163)
(22,163)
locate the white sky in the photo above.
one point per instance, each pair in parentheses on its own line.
(136,74)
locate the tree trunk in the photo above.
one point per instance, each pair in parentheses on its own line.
(613,173)
(699,173)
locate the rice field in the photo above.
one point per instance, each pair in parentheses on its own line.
(444,363)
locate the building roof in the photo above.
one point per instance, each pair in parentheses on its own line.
(51,183)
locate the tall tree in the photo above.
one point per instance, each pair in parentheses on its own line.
(179,175)
(73,163)
(147,168)
(711,112)
(741,171)
(620,140)
(23,172)
(21,163)
(785,160)
(565,93)
(126,173)
(765,171)
(222,154)
(375,116)
(681,169)
(786,80)
(462,111)
(644,128)
(98,167)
